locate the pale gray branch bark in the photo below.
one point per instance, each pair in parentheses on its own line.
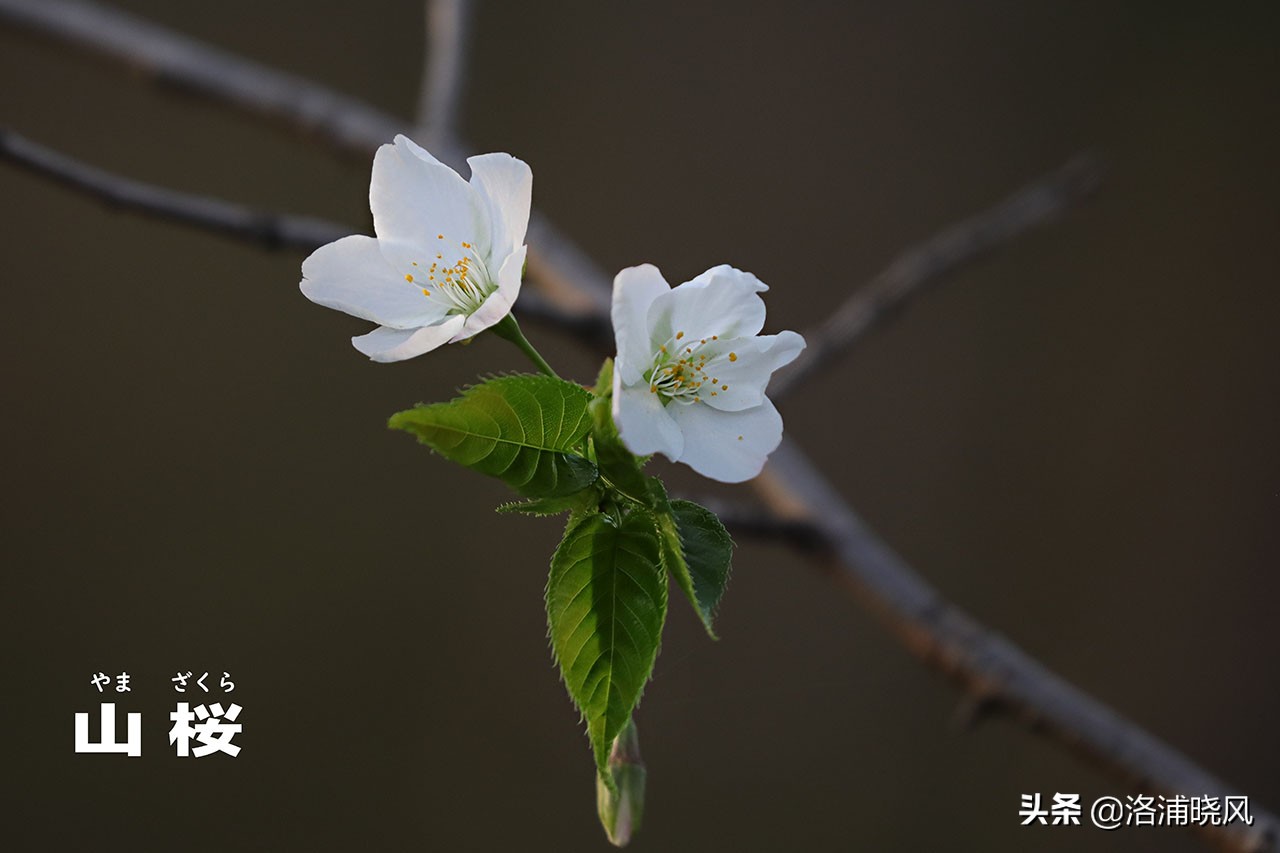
(995,675)
(265,229)
(269,230)
(444,64)
(172,60)
(928,263)
(345,124)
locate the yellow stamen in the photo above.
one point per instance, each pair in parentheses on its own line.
(408,278)
(733,356)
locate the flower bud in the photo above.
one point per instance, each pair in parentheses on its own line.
(622,807)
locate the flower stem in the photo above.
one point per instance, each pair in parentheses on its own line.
(509,329)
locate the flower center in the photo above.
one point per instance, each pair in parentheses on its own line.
(681,370)
(462,284)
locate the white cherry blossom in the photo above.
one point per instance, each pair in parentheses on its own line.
(689,379)
(448,258)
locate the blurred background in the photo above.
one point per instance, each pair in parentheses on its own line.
(1075,440)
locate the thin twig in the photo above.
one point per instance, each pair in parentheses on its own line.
(265,229)
(984,664)
(928,263)
(448,24)
(344,123)
(269,230)
(174,60)
(262,228)
(999,675)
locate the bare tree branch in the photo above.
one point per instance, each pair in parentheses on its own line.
(265,229)
(269,230)
(994,673)
(444,65)
(927,263)
(303,106)
(173,60)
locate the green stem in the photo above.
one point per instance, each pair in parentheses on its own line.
(509,329)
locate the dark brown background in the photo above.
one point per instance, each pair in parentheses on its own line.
(1076,440)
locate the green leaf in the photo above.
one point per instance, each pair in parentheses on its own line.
(696,550)
(617,464)
(604,379)
(578,502)
(606,604)
(708,551)
(522,429)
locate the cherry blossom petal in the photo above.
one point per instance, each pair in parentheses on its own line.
(421,206)
(727,446)
(634,290)
(722,301)
(643,423)
(722,272)
(417,150)
(350,275)
(384,344)
(504,186)
(498,304)
(743,367)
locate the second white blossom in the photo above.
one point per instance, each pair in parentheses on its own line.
(690,376)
